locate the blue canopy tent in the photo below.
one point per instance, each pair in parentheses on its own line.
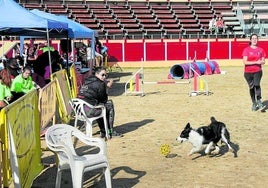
(15,20)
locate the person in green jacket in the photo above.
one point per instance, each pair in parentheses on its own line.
(23,83)
(46,48)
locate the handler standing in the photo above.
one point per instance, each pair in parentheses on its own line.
(253,59)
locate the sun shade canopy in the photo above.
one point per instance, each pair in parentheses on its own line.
(16,20)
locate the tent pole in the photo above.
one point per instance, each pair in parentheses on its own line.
(93,50)
(2,38)
(22,38)
(72,49)
(49,54)
(21,45)
(67,54)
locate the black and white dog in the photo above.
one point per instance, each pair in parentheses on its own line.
(209,135)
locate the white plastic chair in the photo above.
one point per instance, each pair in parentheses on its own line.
(59,139)
(78,106)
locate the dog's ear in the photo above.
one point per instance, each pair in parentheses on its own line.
(188,126)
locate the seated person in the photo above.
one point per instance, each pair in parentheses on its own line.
(5,92)
(220,26)
(104,53)
(104,49)
(212,24)
(22,83)
(98,56)
(13,67)
(94,91)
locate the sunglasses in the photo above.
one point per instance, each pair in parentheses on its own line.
(103,75)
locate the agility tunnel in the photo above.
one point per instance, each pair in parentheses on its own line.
(185,70)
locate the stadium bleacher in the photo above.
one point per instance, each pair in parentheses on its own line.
(160,18)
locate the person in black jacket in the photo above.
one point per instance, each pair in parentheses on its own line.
(13,67)
(94,91)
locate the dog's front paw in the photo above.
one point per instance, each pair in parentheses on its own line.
(207,152)
(216,151)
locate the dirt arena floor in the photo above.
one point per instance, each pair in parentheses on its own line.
(158,117)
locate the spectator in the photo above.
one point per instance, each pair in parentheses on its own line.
(98,56)
(42,65)
(46,48)
(5,91)
(104,53)
(13,67)
(22,83)
(16,50)
(220,26)
(253,59)
(32,54)
(94,91)
(212,25)
(25,53)
(100,48)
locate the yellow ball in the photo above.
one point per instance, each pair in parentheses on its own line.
(165,149)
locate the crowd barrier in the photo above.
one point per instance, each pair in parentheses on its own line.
(21,123)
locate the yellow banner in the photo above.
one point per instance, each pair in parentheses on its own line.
(6,171)
(63,94)
(73,79)
(24,120)
(47,104)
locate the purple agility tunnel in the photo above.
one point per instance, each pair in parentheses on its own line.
(183,71)
(180,71)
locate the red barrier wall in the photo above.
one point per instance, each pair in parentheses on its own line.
(219,50)
(176,50)
(115,51)
(197,50)
(155,51)
(134,51)
(166,50)
(237,49)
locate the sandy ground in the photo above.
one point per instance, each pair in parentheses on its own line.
(158,117)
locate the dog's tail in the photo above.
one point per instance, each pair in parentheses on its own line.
(227,135)
(213,120)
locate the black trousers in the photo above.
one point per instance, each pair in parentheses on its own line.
(254,80)
(109,115)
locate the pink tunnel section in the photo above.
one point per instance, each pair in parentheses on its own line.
(183,71)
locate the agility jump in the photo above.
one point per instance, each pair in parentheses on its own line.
(186,71)
(135,85)
(183,72)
